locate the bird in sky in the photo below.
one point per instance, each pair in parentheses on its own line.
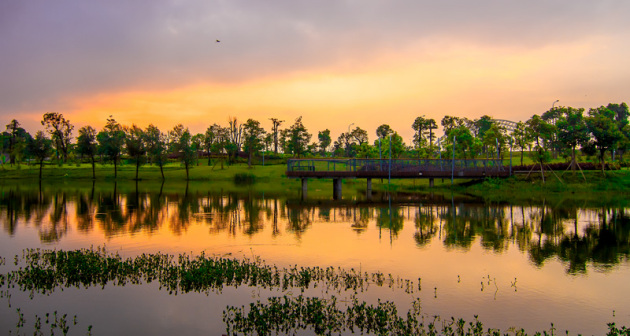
(218,41)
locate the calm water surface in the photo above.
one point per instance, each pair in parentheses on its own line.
(513,265)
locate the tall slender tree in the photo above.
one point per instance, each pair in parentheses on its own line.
(298,138)
(157,147)
(111,141)
(135,143)
(253,136)
(183,146)
(275,124)
(40,147)
(86,145)
(324,141)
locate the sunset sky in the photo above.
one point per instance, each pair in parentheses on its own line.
(337,62)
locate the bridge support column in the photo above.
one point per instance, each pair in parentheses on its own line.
(304,187)
(336,188)
(431,182)
(368,191)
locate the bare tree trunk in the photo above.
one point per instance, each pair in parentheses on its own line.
(93,169)
(41,164)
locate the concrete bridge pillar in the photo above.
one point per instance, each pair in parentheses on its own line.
(431,182)
(304,187)
(336,188)
(368,191)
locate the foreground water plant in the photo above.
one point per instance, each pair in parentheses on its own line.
(293,315)
(336,310)
(44,271)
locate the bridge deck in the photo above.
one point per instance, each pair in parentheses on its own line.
(405,168)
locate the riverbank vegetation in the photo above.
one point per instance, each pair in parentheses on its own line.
(601,135)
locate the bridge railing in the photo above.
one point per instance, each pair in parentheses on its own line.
(397,165)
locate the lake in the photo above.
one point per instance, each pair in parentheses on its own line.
(511,265)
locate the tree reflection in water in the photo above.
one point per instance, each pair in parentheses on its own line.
(576,235)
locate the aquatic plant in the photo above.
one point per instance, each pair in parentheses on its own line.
(44,271)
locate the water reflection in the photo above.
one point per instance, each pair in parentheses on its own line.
(575,235)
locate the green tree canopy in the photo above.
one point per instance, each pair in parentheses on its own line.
(111,141)
(253,136)
(61,131)
(324,141)
(298,138)
(86,145)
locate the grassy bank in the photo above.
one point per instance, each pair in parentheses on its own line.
(614,187)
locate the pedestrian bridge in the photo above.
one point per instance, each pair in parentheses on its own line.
(338,169)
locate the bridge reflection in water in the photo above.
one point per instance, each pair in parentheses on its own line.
(338,169)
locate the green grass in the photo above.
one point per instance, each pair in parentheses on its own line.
(271,179)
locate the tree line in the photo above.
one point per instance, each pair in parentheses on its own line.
(560,131)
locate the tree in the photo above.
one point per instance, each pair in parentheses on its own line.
(463,140)
(135,145)
(423,128)
(61,131)
(541,134)
(253,138)
(383,131)
(197,141)
(482,125)
(235,133)
(298,138)
(157,147)
(397,145)
(419,126)
(449,123)
(430,126)
(493,137)
(365,150)
(521,137)
(324,141)
(183,146)
(621,119)
(606,134)
(571,131)
(209,140)
(275,123)
(40,148)
(359,135)
(14,136)
(16,140)
(86,145)
(221,142)
(346,142)
(111,141)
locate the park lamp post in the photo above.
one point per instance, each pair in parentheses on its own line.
(453,161)
(389,178)
(348,140)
